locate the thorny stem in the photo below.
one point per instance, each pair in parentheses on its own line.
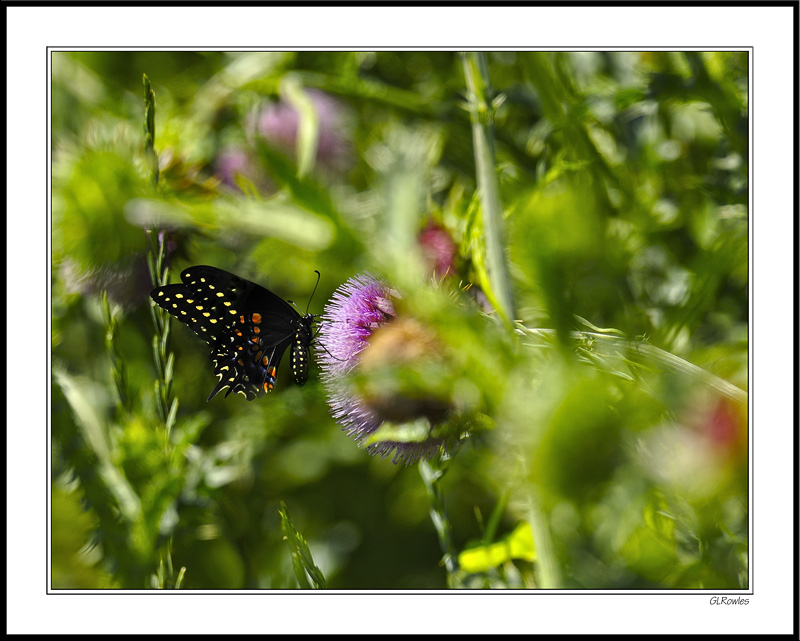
(481,114)
(118,370)
(150,128)
(431,476)
(166,404)
(164,359)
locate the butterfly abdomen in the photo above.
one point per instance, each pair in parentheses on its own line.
(300,356)
(300,350)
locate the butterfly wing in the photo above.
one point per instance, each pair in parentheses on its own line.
(247,326)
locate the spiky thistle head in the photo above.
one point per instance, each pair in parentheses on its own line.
(360,330)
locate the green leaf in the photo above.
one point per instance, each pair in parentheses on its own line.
(302,560)
(517,545)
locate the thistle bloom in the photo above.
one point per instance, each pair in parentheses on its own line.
(356,310)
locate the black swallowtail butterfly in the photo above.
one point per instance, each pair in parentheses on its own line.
(247,326)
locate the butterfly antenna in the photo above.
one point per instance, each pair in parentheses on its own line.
(314,291)
(341,360)
(314,338)
(291,302)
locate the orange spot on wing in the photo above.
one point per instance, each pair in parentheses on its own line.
(256,318)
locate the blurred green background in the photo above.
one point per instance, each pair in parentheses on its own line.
(601,460)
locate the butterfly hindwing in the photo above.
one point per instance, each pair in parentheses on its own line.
(247,327)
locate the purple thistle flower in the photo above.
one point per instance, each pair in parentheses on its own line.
(354,311)
(358,308)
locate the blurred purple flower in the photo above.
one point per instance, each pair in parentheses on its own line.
(230,162)
(236,161)
(438,249)
(278,124)
(355,311)
(127,281)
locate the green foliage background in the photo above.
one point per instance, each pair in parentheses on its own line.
(603,459)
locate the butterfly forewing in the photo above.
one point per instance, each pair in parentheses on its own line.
(247,327)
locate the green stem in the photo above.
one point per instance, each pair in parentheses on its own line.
(118,370)
(481,115)
(159,276)
(166,403)
(431,476)
(548,575)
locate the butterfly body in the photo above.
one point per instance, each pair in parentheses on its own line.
(247,327)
